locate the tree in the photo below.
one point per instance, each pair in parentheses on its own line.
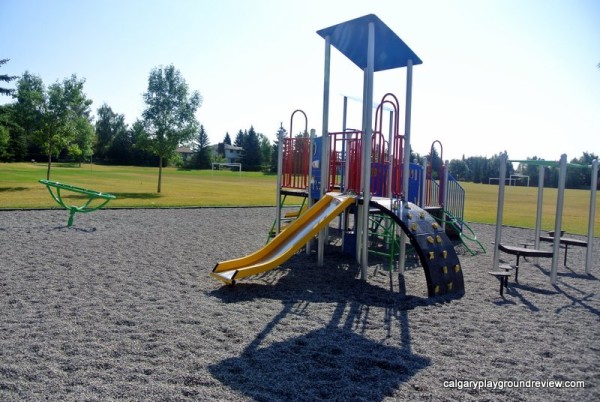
(240,139)
(4,136)
(169,115)
(53,119)
(82,148)
(201,150)
(28,110)
(458,169)
(251,158)
(63,107)
(13,145)
(139,145)
(265,152)
(281,133)
(6,78)
(109,125)
(227,139)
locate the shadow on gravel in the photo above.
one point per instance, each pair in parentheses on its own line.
(329,363)
(336,362)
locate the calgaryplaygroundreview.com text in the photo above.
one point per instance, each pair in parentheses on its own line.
(503,384)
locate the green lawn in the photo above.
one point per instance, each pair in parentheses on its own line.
(136,187)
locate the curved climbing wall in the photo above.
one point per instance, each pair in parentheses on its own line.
(443,271)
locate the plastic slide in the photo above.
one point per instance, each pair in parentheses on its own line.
(286,243)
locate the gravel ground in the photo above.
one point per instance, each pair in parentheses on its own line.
(121,307)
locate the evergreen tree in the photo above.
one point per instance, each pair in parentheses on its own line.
(240,139)
(227,139)
(201,150)
(6,78)
(251,159)
(281,133)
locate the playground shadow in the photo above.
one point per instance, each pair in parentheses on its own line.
(75,229)
(10,189)
(324,364)
(139,196)
(336,362)
(301,280)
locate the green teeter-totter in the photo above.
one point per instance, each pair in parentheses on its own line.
(54,188)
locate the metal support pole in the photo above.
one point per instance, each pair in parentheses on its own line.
(279,177)
(500,209)
(562,175)
(590,237)
(406,158)
(325,144)
(540,202)
(423,183)
(309,200)
(389,154)
(444,180)
(366,148)
(345,146)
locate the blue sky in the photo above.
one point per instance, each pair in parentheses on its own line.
(498,75)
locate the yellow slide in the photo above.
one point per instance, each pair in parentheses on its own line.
(286,243)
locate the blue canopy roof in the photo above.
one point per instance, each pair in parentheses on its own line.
(351,38)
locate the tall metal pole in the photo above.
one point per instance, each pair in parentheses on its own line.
(500,208)
(540,202)
(324,144)
(423,183)
(345,146)
(562,175)
(366,148)
(444,180)
(279,176)
(406,158)
(391,135)
(590,238)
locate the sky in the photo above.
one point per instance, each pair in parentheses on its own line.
(519,76)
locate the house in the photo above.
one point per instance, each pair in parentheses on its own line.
(185,152)
(231,153)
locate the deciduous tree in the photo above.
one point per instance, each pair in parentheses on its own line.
(169,117)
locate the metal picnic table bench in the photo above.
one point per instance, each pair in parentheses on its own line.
(566,242)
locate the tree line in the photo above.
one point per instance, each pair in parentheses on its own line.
(482,169)
(55,122)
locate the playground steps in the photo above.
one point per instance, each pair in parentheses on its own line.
(286,217)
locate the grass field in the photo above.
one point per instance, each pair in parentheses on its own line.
(136,187)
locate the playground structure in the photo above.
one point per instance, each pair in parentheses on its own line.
(363,176)
(556,237)
(55,189)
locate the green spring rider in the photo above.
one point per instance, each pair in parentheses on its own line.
(54,188)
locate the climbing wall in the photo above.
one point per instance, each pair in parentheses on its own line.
(443,271)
